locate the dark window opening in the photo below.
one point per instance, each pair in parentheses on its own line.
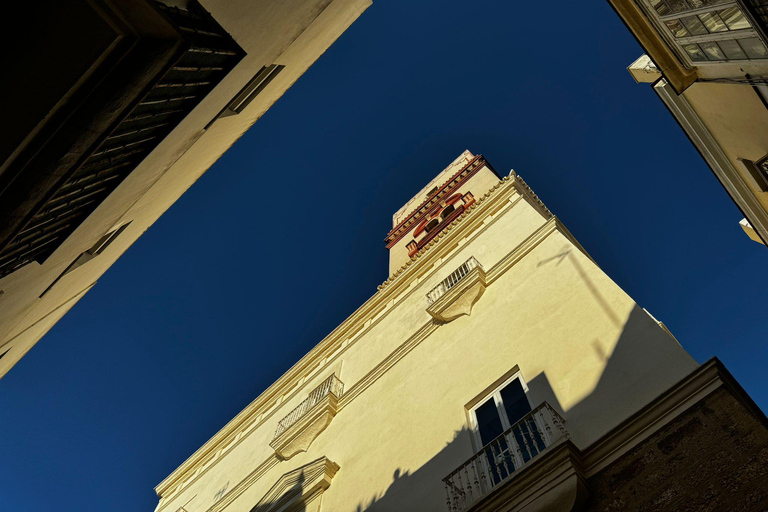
(447,211)
(432,225)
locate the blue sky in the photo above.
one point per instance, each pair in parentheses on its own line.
(283,238)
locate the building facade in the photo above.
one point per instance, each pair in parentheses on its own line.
(708,62)
(115,109)
(497,369)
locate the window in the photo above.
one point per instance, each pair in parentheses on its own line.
(758,170)
(708,30)
(432,225)
(447,211)
(503,412)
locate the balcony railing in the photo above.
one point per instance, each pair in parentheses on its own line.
(331,385)
(450,281)
(501,458)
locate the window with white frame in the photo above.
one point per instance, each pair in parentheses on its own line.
(502,408)
(499,421)
(708,30)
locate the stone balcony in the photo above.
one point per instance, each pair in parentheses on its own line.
(533,466)
(299,428)
(457,294)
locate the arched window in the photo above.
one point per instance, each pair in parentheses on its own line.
(447,211)
(432,225)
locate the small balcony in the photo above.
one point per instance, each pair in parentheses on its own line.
(455,295)
(296,431)
(472,485)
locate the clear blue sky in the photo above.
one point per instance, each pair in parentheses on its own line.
(283,238)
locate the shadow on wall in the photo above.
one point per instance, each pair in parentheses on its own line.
(417,490)
(423,489)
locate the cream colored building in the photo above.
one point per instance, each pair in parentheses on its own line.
(124,106)
(708,62)
(498,368)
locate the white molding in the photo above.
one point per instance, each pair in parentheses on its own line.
(715,157)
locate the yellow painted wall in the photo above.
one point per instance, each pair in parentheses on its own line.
(738,121)
(579,341)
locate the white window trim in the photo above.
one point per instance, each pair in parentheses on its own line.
(495,395)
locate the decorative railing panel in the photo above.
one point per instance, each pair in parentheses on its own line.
(450,281)
(331,385)
(501,458)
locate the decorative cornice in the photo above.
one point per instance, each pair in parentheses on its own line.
(466,172)
(516,181)
(347,333)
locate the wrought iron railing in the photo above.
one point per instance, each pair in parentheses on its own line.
(501,458)
(331,385)
(450,281)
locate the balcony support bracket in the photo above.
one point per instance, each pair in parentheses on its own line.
(301,434)
(461,298)
(553,483)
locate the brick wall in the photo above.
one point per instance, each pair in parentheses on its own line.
(714,457)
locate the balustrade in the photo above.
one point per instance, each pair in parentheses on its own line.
(450,281)
(501,458)
(331,385)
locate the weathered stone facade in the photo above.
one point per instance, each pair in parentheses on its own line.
(713,457)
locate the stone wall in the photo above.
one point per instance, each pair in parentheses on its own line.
(714,457)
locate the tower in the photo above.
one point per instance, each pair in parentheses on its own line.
(497,369)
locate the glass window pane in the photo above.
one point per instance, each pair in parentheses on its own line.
(705,3)
(754,48)
(734,18)
(677,28)
(713,22)
(488,422)
(732,50)
(694,52)
(678,5)
(661,7)
(515,402)
(712,51)
(694,26)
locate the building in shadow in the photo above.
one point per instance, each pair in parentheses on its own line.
(707,60)
(111,110)
(497,369)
